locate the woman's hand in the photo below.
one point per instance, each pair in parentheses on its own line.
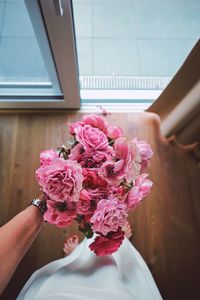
(16,237)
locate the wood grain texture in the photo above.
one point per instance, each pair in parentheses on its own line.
(166,226)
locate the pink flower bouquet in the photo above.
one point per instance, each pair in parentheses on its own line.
(95,182)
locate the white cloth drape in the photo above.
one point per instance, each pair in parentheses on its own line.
(84,276)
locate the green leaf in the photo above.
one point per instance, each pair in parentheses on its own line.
(89,234)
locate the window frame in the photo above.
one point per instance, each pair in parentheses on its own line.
(59,33)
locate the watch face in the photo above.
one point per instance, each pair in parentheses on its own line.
(36,202)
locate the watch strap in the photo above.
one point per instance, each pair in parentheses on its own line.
(40,204)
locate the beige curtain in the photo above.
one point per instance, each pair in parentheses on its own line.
(179,104)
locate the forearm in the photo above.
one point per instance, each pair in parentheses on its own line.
(15,238)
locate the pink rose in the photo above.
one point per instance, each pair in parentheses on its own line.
(73,126)
(76,153)
(100,157)
(140,190)
(114,132)
(91,138)
(109,216)
(95,158)
(144,149)
(84,195)
(92,120)
(125,151)
(85,205)
(91,158)
(124,165)
(60,213)
(145,152)
(106,245)
(104,112)
(121,192)
(95,121)
(112,172)
(47,156)
(61,180)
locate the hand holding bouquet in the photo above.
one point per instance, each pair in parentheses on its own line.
(95,181)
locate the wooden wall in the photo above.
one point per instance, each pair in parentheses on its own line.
(166,226)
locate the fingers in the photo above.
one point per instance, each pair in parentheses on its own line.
(127,229)
(67,250)
(71,241)
(68,242)
(127,226)
(75,238)
(68,246)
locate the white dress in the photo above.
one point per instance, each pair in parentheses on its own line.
(84,276)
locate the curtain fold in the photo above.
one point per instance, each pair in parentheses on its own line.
(179,104)
(190,132)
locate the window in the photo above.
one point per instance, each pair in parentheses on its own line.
(129,50)
(38,65)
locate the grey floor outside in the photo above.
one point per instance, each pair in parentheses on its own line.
(135,38)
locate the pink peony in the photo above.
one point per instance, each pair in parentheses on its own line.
(114,132)
(60,213)
(99,193)
(92,179)
(96,181)
(85,205)
(106,245)
(96,186)
(61,180)
(91,138)
(47,156)
(140,190)
(109,216)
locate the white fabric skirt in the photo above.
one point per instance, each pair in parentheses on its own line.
(85,276)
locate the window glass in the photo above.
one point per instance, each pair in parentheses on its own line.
(26,67)
(133,44)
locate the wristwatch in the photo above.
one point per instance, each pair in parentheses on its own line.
(40,204)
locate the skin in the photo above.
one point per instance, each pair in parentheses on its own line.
(16,236)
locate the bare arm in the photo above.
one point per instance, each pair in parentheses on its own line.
(15,238)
